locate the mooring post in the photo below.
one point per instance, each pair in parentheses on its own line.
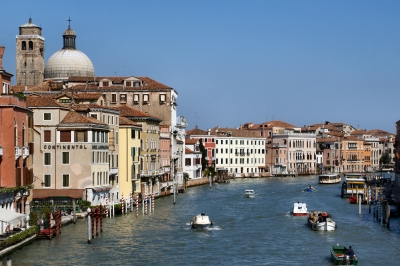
(137,206)
(74,211)
(152,202)
(92,216)
(89,224)
(359,204)
(97,221)
(101,218)
(210,181)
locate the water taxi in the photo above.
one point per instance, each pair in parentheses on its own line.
(299,209)
(332,178)
(249,193)
(200,221)
(339,258)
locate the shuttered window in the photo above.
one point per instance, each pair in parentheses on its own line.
(65,136)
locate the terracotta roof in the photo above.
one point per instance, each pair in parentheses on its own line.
(148,83)
(270,124)
(359,132)
(379,133)
(351,138)
(329,139)
(127,111)
(74,117)
(41,101)
(88,107)
(191,141)
(234,132)
(196,131)
(45,86)
(48,193)
(188,151)
(127,122)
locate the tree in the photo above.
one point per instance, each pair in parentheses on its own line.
(204,163)
(385,159)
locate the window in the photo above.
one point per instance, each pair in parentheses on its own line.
(23,45)
(187,162)
(47,136)
(30,45)
(65,157)
(93,116)
(47,158)
(162,98)
(136,99)
(122,98)
(105,84)
(47,180)
(47,116)
(116,138)
(128,83)
(132,133)
(80,136)
(113,98)
(65,180)
(145,98)
(65,136)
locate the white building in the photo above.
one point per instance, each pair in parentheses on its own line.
(193,158)
(241,152)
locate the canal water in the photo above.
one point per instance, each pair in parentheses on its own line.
(246,231)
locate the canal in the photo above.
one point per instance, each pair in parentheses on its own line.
(246,231)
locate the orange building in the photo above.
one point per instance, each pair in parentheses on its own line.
(15,162)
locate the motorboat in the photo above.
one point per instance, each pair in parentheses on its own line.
(339,257)
(310,189)
(355,184)
(200,221)
(249,193)
(321,221)
(299,209)
(332,178)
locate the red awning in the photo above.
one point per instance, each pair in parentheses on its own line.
(48,193)
(100,189)
(261,166)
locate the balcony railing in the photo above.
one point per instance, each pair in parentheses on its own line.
(18,152)
(25,151)
(113,170)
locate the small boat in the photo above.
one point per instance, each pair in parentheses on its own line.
(299,209)
(200,221)
(339,258)
(332,178)
(355,200)
(310,189)
(249,193)
(321,221)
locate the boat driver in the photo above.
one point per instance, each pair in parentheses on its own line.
(349,252)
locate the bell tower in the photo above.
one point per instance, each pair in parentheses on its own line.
(29,55)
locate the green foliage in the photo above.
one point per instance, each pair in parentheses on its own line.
(203,150)
(385,158)
(210,171)
(15,189)
(18,237)
(186,176)
(83,204)
(33,218)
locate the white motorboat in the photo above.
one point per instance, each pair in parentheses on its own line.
(200,221)
(332,178)
(299,209)
(321,221)
(249,193)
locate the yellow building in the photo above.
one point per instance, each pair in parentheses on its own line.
(129,153)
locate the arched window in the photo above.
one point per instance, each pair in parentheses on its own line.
(30,45)
(23,45)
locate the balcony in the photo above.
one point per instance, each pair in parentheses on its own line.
(18,152)
(113,170)
(1,151)
(25,151)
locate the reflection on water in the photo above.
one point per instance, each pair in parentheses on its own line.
(256,231)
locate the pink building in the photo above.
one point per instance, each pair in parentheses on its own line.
(208,141)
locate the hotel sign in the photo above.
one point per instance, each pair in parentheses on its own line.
(65,147)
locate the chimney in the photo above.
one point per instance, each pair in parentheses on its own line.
(1,56)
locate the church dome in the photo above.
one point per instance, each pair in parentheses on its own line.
(69,61)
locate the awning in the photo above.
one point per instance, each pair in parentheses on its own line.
(100,189)
(10,216)
(48,193)
(261,166)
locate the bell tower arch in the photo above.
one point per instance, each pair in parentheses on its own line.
(29,55)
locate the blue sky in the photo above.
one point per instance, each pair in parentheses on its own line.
(232,62)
